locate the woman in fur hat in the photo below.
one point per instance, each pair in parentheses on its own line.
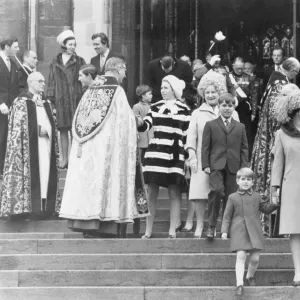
(63,89)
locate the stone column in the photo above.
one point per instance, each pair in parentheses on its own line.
(91,16)
(32,21)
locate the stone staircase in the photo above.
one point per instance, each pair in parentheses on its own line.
(42,260)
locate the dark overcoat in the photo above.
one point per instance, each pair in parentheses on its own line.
(64,89)
(243,218)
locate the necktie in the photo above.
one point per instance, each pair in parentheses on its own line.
(102,62)
(226,124)
(8,64)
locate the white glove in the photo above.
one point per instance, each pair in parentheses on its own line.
(194,163)
(4,109)
(214,59)
(224,236)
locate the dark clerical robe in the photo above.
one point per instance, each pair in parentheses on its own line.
(30,177)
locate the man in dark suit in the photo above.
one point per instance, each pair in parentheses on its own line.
(277,56)
(224,152)
(104,53)
(9,89)
(101,46)
(167,65)
(29,65)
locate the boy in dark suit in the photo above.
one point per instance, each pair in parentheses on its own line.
(9,89)
(224,152)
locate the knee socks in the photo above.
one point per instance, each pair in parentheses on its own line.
(240,267)
(253,264)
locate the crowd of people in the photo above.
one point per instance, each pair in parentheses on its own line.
(227,138)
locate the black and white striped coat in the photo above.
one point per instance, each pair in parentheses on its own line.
(165,156)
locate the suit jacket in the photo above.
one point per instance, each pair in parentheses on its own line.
(9,88)
(155,75)
(23,78)
(95,61)
(221,146)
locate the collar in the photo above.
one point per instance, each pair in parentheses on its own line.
(144,103)
(237,74)
(27,67)
(4,56)
(242,192)
(223,119)
(105,54)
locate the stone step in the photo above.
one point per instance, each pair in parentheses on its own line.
(115,246)
(40,235)
(60,226)
(205,277)
(133,261)
(148,293)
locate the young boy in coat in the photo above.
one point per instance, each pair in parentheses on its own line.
(224,152)
(144,94)
(243,218)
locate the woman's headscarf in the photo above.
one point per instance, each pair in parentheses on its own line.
(176,84)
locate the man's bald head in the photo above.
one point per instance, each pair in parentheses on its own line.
(36,82)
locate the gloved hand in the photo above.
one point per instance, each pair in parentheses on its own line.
(194,163)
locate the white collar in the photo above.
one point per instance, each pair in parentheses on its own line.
(229,120)
(4,56)
(105,54)
(30,69)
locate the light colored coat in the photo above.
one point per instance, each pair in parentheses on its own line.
(199,185)
(286,174)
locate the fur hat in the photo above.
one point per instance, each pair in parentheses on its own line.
(176,84)
(286,105)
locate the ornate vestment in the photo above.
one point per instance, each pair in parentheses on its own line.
(101,182)
(24,180)
(264,140)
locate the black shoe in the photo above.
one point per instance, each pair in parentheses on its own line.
(239,290)
(296,283)
(210,233)
(180,227)
(251,281)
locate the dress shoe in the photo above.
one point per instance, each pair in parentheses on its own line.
(146,237)
(239,290)
(251,281)
(210,233)
(186,229)
(179,228)
(296,283)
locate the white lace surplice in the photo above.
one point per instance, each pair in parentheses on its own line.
(100,183)
(44,149)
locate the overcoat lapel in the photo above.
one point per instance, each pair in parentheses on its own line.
(231,125)
(2,62)
(221,123)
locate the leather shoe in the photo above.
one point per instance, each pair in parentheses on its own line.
(296,283)
(239,290)
(251,281)
(210,233)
